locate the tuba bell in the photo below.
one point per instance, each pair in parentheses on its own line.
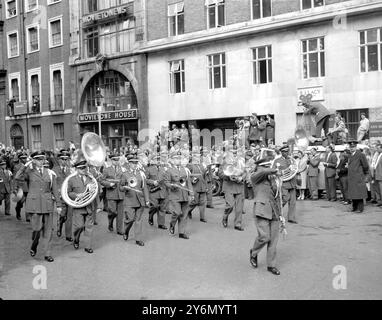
(94,151)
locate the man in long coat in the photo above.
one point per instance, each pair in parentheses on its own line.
(357,169)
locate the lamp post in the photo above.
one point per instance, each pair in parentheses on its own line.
(99,97)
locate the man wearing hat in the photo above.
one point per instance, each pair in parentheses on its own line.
(62,171)
(82,217)
(330,165)
(288,187)
(157,192)
(110,180)
(5,186)
(21,183)
(178,183)
(199,184)
(313,172)
(358,168)
(267,211)
(43,191)
(134,187)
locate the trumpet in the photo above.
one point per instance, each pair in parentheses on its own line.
(132,183)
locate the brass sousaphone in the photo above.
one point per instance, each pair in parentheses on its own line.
(94,151)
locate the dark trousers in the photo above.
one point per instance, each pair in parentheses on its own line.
(20,205)
(179,213)
(158,207)
(201,202)
(115,210)
(330,186)
(42,226)
(322,124)
(7,202)
(344,187)
(357,204)
(234,202)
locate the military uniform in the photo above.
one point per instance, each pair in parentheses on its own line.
(179,199)
(157,194)
(288,188)
(21,183)
(267,212)
(43,191)
(199,184)
(5,186)
(114,195)
(135,204)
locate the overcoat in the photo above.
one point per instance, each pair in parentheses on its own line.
(357,170)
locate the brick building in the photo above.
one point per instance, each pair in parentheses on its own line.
(211,61)
(38,111)
(107,69)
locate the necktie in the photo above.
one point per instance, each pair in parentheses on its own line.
(40,171)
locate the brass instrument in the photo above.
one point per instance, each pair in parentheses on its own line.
(94,151)
(290,172)
(182,185)
(132,183)
(234,171)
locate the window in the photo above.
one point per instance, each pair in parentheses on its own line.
(34,98)
(371,50)
(313,58)
(53,1)
(31,5)
(33,39)
(217,71)
(97,5)
(352,117)
(176,19)
(55,32)
(56,87)
(215,13)
(308,4)
(13,44)
(10,9)
(59,137)
(261,8)
(110,38)
(177,77)
(36,138)
(14,86)
(262,64)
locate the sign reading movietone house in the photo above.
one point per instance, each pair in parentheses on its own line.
(105,14)
(109,116)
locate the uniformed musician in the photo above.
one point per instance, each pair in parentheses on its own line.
(82,217)
(267,211)
(178,183)
(43,191)
(62,170)
(200,187)
(289,187)
(21,183)
(134,188)
(111,177)
(157,192)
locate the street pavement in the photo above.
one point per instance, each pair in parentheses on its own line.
(213,264)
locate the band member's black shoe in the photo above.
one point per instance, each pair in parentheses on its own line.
(76,245)
(69,239)
(32,252)
(239,228)
(210,207)
(190,215)
(292,221)
(126,237)
(88,250)
(111,229)
(49,259)
(162,227)
(151,222)
(28,220)
(203,220)
(183,236)
(140,243)
(95,223)
(18,217)
(273,270)
(172,229)
(253,260)
(7,214)
(59,234)
(225,224)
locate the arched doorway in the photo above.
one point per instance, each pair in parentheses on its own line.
(115,93)
(17,136)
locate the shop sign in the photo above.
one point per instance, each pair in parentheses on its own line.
(20,108)
(106,14)
(316,92)
(375,129)
(119,115)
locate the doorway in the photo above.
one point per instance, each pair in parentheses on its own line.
(17,136)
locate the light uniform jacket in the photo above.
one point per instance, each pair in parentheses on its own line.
(200,176)
(113,193)
(132,198)
(76,185)
(156,173)
(173,175)
(43,190)
(314,162)
(266,205)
